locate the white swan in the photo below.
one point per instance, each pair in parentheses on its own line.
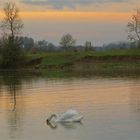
(69,116)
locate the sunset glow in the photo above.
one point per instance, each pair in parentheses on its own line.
(76,16)
(86,20)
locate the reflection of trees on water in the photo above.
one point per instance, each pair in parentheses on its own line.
(13,81)
(12,84)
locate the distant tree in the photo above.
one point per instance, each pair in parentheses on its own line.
(134,27)
(67,41)
(51,47)
(11,26)
(88,46)
(42,44)
(26,43)
(118,46)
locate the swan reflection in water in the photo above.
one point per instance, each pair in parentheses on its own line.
(68,119)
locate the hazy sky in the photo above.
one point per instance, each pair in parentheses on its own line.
(99,21)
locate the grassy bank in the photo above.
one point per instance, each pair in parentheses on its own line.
(117,59)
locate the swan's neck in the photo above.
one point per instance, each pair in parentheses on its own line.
(52,116)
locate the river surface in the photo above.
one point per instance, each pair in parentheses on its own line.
(111,107)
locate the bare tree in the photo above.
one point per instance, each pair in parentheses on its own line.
(11,23)
(67,41)
(134,27)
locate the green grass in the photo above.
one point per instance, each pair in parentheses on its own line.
(67,64)
(63,58)
(129,52)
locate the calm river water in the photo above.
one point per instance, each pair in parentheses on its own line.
(110,105)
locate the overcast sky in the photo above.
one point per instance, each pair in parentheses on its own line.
(99,21)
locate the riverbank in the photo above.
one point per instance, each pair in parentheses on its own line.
(111,60)
(115,59)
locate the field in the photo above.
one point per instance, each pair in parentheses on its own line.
(114,59)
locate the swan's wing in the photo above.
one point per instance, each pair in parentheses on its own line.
(77,119)
(68,114)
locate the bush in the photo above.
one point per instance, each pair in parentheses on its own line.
(12,54)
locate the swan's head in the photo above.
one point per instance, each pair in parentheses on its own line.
(51,117)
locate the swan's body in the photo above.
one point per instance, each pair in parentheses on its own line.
(68,116)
